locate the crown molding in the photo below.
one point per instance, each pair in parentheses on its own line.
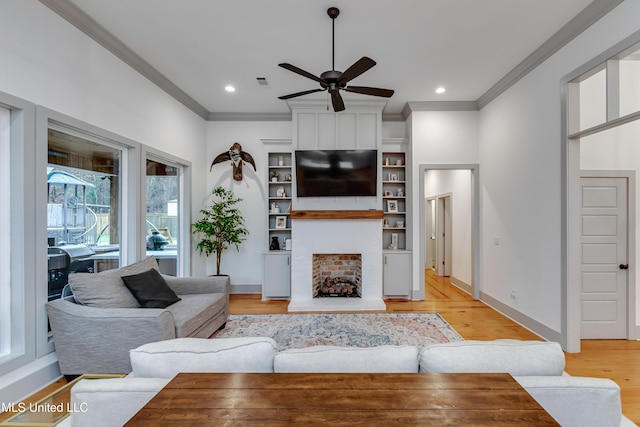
(89,26)
(412,106)
(583,20)
(78,18)
(249,117)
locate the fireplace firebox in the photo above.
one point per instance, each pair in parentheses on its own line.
(337,275)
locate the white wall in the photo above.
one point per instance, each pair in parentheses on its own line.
(520,148)
(48,62)
(457,184)
(438,137)
(245,267)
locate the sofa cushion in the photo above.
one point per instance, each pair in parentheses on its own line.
(387,359)
(106,289)
(150,289)
(194,311)
(576,401)
(165,359)
(511,356)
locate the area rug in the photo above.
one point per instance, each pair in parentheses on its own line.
(343,329)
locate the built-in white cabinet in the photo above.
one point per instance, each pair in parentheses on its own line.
(396,281)
(277,275)
(277,261)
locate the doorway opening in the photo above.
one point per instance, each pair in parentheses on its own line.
(449,218)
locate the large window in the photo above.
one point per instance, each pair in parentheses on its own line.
(5,224)
(163,219)
(83,207)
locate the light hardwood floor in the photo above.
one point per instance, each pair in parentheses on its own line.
(618,360)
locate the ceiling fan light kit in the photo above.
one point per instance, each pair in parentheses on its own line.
(334,81)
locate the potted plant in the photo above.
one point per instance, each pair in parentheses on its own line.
(221,225)
(274,176)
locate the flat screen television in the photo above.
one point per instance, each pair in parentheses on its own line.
(336,173)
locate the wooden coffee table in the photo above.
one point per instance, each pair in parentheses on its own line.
(199,399)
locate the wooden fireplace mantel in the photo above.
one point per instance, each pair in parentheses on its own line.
(337,214)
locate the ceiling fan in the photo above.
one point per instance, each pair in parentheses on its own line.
(333,81)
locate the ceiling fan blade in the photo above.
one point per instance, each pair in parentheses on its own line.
(375,91)
(336,100)
(303,73)
(362,65)
(306,92)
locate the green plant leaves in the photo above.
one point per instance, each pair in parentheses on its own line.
(221,225)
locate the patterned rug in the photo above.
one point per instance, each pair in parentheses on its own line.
(343,329)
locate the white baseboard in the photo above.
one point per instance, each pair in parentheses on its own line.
(246,289)
(24,381)
(461,284)
(522,319)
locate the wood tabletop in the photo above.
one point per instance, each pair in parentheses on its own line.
(206,399)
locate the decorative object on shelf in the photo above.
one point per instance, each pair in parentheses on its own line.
(280,192)
(393,177)
(392,206)
(280,161)
(275,244)
(288,210)
(274,176)
(287,177)
(281,222)
(237,158)
(388,193)
(275,208)
(399,224)
(398,162)
(394,241)
(400,192)
(387,162)
(385,223)
(288,244)
(221,225)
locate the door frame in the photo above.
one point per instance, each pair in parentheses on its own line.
(474,168)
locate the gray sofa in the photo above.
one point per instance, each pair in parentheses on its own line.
(94,330)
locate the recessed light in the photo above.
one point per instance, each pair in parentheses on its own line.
(229,88)
(440,90)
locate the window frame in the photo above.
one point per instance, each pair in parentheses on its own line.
(183,266)
(20,350)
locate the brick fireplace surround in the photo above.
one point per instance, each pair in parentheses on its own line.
(336,232)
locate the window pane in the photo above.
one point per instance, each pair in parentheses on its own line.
(630,84)
(83,208)
(163,200)
(593,100)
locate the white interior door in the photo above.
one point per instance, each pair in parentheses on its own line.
(604,258)
(430,233)
(443,236)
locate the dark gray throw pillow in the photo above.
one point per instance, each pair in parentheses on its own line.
(150,289)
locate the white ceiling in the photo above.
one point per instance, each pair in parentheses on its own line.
(203,45)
